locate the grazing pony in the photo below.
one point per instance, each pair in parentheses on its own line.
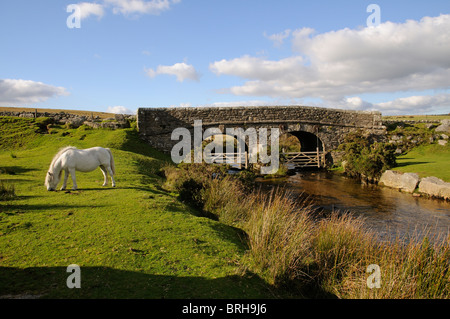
(71,159)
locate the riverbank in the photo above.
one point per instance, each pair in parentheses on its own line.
(431,186)
(423,171)
(327,257)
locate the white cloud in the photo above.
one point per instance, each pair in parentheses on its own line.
(187,104)
(87,9)
(119,110)
(439,103)
(417,104)
(125,7)
(128,7)
(24,92)
(278,38)
(182,71)
(392,57)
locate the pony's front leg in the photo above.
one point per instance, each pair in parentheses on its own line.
(66,175)
(74,180)
(105,175)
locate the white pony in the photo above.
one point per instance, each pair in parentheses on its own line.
(71,159)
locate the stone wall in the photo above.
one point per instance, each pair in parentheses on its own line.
(330,125)
(76,120)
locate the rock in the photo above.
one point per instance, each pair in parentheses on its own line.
(75,122)
(92,124)
(119,117)
(442,142)
(444,127)
(444,136)
(435,187)
(406,182)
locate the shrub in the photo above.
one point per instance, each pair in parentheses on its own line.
(7,191)
(279,235)
(365,158)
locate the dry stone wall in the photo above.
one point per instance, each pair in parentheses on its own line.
(75,120)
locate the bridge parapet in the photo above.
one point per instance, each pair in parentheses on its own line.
(330,125)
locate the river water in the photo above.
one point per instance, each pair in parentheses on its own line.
(388,212)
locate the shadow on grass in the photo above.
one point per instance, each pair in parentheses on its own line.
(105,282)
(22,208)
(14,170)
(136,145)
(404,164)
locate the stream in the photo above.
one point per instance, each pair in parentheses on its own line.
(386,211)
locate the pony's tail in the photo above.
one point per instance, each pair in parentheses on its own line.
(111,159)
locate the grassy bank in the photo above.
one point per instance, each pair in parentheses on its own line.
(308,257)
(133,241)
(426,160)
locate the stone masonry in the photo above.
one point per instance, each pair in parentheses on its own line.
(329,126)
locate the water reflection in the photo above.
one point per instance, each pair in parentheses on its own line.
(386,211)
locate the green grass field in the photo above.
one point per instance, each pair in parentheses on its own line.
(426,160)
(133,241)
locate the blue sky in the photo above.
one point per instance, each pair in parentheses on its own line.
(164,53)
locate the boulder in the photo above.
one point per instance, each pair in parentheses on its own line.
(442,142)
(406,182)
(444,127)
(75,121)
(435,187)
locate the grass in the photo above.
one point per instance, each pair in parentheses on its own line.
(426,160)
(7,191)
(133,241)
(436,118)
(306,256)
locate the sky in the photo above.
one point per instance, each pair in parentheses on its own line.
(119,55)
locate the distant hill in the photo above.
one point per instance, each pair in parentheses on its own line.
(102,115)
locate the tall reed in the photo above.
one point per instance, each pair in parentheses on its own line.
(331,254)
(279,233)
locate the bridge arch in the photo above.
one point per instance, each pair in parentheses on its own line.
(309,142)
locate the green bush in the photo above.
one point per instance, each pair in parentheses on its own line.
(365,158)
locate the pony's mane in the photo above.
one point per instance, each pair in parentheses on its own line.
(60,152)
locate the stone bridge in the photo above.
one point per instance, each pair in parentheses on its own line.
(315,127)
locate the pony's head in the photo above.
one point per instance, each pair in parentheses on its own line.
(54,174)
(52,180)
